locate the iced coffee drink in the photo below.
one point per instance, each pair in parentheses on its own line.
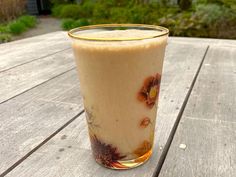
(120,68)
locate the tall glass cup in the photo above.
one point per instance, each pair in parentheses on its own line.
(120,67)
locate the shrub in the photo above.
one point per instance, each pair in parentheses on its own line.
(184,4)
(87,9)
(209,13)
(28,21)
(68,24)
(137,14)
(56,2)
(56,10)
(11,9)
(17,27)
(71,11)
(5,37)
(183,24)
(101,11)
(203,19)
(119,15)
(4,29)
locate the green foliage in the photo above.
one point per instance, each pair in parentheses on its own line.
(182,24)
(5,37)
(184,4)
(137,14)
(101,11)
(71,11)
(17,27)
(209,13)
(57,2)
(229,3)
(68,24)
(21,24)
(4,29)
(208,20)
(28,21)
(56,10)
(81,22)
(87,8)
(203,18)
(119,15)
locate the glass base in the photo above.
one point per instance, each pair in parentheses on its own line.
(128,164)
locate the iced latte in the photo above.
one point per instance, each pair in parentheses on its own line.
(120,68)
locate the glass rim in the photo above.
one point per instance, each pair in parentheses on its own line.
(72,32)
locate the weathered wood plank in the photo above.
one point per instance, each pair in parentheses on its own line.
(29,119)
(24,77)
(214,95)
(208,125)
(71,156)
(206,41)
(210,150)
(23,51)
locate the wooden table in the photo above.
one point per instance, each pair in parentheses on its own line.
(43,131)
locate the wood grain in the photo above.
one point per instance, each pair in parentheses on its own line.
(17,80)
(29,119)
(214,95)
(206,41)
(208,125)
(16,53)
(72,156)
(210,150)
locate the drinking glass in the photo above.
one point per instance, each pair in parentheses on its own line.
(120,68)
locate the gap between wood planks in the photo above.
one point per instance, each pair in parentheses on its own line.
(37,86)
(41,144)
(165,150)
(35,59)
(172,133)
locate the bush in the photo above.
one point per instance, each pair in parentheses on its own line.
(21,24)
(68,24)
(56,10)
(209,20)
(81,22)
(101,12)
(202,19)
(28,21)
(87,9)
(57,2)
(5,37)
(74,11)
(4,29)
(184,4)
(70,11)
(11,9)
(209,13)
(137,14)
(119,15)
(17,27)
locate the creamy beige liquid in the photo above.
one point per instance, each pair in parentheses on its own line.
(112,75)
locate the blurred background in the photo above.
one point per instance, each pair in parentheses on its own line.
(189,18)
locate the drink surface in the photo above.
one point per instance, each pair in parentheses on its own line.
(120,83)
